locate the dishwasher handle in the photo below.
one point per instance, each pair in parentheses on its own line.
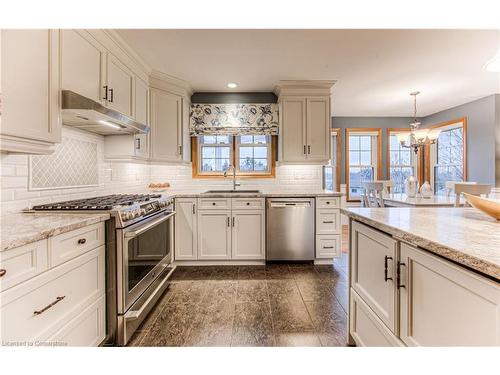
(284,204)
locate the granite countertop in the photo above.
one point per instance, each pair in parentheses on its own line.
(261,194)
(435,200)
(463,235)
(23,228)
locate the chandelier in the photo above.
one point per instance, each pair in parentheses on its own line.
(417,137)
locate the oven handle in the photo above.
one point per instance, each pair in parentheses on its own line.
(135,233)
(135,314)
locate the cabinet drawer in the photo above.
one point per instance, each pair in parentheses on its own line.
(366,328)
(69,245)
(327,246)
(214,203)
(247,203)
(86,329)
(22,263)
(37,308)
(327,221)
(328,202)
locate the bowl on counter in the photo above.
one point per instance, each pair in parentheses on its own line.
(490,207)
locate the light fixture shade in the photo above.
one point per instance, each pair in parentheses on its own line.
(434,134)
(421,134)
(402,137)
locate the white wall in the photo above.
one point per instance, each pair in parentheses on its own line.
(117,178)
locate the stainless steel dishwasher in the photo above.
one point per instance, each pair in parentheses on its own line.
(290,228)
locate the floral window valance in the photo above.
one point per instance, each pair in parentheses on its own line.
(234,119)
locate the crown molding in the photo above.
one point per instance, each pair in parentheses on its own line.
(304,87)
(167,82)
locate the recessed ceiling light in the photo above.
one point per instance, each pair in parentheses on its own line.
(232,85)
(494,64)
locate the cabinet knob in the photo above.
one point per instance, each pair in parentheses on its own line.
(2,272)
(327,202)
(248,203)
(81,241)
(213,203)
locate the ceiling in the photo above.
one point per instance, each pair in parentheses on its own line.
(375,69)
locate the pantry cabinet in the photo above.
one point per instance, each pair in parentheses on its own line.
(305,123)
(30,66)
(166,126)
(402,295)
(83,65)
(186,229)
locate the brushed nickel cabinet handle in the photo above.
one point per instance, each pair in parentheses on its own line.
(81,241)
(58,299)
(3,272)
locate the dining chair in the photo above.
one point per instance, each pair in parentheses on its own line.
(372,196)
(450,185)
(388,185)
(473,189)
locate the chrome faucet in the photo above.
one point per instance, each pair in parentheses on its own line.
(234,176)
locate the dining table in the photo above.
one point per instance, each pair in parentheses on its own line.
(403,200)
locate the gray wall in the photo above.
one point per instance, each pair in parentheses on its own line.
(368,122)
(480,135)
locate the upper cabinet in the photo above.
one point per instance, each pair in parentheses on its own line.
(120,86)
(305,121)
(83,67)
(30,102)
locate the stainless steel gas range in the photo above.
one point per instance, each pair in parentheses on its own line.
(139,243)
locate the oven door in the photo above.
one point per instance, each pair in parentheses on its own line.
(145,251)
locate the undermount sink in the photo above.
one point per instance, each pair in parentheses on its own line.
(232,192)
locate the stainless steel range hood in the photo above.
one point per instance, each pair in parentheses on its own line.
(84,113)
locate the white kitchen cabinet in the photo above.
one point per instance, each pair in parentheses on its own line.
(214,234)
(186,229)
(120,86)
(372,253)
(166,126)
(446,305)
(186,137)
(141,141)
(30,73)
(318,129)
(294,129)
(83,65)
(327,246)
(247,237)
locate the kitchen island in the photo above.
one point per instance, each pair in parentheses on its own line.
(423,277)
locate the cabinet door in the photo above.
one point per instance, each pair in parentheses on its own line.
(371,251)
(327,221)
(186,231)
(294,129)
(141,115)
(120,86)
(446,305)
(318,128)
(214,235)
(30,103)
(248,241)
(165,125)
(83,64)
(186,138)
(327,246)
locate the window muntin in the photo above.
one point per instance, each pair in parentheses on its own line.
(250,154)
(402,163)
(448,158)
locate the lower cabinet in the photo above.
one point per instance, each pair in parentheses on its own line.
(402,295)
(186,229)
(214,234)
(248,239)
(211,229)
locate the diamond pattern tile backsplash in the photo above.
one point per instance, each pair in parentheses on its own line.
(73,164)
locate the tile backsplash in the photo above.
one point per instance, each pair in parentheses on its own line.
(115,178)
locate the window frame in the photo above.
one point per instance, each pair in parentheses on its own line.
(334,132)
(448,125)
(233,158)
(378,160)
(416,164)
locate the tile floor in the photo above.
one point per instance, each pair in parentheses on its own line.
(272,305)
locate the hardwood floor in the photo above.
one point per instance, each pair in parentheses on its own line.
(272,305)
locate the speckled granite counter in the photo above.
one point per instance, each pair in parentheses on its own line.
(274,194)
(24,228)
(463,235)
